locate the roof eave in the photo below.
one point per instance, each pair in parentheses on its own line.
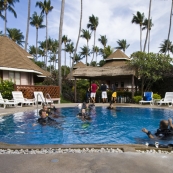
(21,70)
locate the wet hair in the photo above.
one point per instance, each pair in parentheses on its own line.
(40,111)
(163,124)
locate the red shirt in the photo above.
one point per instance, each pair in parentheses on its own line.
(93,88)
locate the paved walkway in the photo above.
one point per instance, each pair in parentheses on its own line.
(126,162)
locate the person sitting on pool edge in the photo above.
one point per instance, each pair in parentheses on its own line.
(165,129)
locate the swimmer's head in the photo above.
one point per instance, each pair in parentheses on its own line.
(164,124)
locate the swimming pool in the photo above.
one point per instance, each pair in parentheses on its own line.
(107,127)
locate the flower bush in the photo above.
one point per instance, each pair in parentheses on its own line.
(6,88)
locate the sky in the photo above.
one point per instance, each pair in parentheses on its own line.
(115,18)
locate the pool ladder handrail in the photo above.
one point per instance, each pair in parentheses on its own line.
(43,99)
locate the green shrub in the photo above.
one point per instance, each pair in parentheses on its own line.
(136,99)
(156,96)
(6,88)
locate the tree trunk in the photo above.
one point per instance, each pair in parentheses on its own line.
(80,24)
(46,40)
(94,41)
(141,38)
(36,42)
(148,27)
(27,28)
(5,24)
(60,41)
(64,59)
(169,28)
(149,41)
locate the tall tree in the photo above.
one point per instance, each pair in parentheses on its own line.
(96,50)
(148,25)
(27,27)
(36,21)
(16,35)
(139,19)
(93,23)
(60,42)
(42,50)
(70,49)
(85,52)
(145,26)
(106,51)
(80,24)
(8,5)
(45,8)
(86,35)
(169,27)
(1,10)
(32,51)
(103,40)
(122,44)
(166,46)
(65,40)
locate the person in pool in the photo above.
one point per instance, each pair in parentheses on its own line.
(165,130)
(111,106)
(84,114)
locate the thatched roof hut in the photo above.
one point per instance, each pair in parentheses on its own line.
(13,57)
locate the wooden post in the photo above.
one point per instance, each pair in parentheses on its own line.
(132,86)
(75,90)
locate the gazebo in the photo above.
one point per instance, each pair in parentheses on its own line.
(115,71)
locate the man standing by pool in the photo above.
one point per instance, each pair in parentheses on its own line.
(93,91)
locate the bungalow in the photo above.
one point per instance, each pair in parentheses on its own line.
(115,71)
(16,64)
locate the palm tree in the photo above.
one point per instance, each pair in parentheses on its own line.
(85,52)
(77,58)
(37,21)
(45,8)
(103,40)
(27,28)
(95,49)
(106,51)
(60,42)
(148,27)
(122,44)
(42,50)
(8,5)
(1,10)
(86,35)
(167,46)
(32,51)
(139,19)
(145,26)
(93,23)
(65,40)
(16,35)
(70,49)
(80,24)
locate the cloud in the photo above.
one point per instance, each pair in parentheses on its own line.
(114,21)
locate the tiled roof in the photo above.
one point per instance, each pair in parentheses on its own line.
(13,56)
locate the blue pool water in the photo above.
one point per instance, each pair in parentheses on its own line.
(107,127)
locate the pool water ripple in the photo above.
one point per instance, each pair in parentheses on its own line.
(106,127)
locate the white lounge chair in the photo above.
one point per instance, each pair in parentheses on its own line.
(18,97)
(168,99)
(39,98)
(6,102)
(148,98)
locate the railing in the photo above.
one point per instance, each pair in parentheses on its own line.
(28,90)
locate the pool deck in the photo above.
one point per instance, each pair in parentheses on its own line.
(127,162)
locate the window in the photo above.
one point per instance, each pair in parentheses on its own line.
(116,84)
(122,84)
(15,77)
